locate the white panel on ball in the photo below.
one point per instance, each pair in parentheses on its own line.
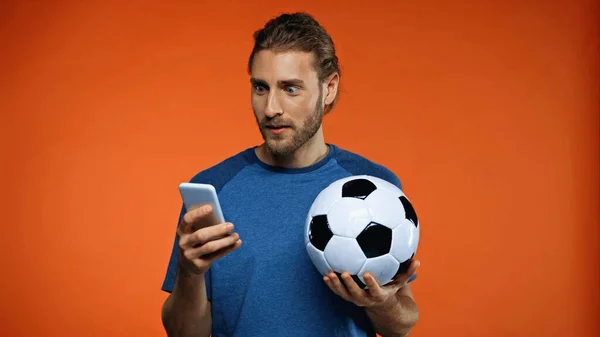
(383,268)
(344,254)
(385,208)
(348,217)
(405,239)
(325,199)
(318,259)
(306,228)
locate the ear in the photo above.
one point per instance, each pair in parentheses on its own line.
(331,88)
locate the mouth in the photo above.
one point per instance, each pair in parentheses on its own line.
(277,129)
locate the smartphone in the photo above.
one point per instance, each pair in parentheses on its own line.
(196,195)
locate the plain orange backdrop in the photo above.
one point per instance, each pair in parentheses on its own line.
(488,112)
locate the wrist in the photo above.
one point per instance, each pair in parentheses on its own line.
(185,274)
(188,278)
(187,269)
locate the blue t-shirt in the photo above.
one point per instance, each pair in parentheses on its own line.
(269,286)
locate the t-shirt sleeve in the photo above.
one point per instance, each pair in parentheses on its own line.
(357,165)
(387,175)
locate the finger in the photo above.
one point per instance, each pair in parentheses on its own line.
(205,261)
(413,269)
(403,278)
(375,289)
(329,283)
(354,290)
(338,287)
(191,217)
(211,257)
(204,235)
(215,245)
(210,233)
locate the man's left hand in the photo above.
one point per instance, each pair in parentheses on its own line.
(376,294)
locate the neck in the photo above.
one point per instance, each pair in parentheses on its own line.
(311,152)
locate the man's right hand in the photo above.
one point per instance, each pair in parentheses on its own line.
(202,240)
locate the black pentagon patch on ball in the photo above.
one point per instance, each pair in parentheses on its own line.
(360,283)
(358,188)
(319,233)
(403,268)
(411,215)
(375,240)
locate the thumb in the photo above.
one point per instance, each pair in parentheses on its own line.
(192,217)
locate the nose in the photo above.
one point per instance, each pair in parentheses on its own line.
(273,107)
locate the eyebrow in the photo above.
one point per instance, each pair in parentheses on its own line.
(292,81)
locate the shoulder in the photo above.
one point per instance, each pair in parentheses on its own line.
(357,164)
(221,173)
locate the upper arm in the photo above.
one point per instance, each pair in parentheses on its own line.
(358,165)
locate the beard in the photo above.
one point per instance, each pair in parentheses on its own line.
(285,144)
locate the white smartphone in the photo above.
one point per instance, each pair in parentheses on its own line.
(196,195)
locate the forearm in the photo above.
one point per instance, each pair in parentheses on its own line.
(395,319)
(186,312)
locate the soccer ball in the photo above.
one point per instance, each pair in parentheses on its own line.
(362,223)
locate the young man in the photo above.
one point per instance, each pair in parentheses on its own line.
(268,286)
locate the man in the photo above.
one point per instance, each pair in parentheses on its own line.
(268,286)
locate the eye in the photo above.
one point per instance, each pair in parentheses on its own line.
(258,88)
(291,90)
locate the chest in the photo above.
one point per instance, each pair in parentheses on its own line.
(270,218)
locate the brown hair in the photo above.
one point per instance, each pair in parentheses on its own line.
(299,32)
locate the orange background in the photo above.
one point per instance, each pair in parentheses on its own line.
(488,112)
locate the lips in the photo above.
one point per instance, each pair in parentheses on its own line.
(277,129)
